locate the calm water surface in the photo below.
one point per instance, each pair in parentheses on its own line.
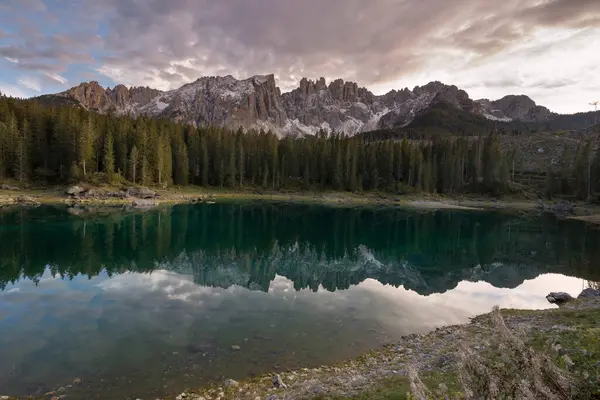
(149,303)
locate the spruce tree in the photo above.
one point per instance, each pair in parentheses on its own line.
(109,157)
(22,153)
(134,160)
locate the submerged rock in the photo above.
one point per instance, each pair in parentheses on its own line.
(143,203)
(558,297)
(235,347)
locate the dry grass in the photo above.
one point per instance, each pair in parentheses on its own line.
(507,370)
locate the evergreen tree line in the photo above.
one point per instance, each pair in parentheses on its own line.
(66,144)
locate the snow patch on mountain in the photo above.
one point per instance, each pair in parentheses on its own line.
(373,123)
(296,128)
(494,118)
(160,106)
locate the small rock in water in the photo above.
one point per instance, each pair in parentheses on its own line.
(181,396)
(231,383)
(278,383)
(558,297)
(143,203)
(235,347)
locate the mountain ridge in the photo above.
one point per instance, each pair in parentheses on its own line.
(258,103)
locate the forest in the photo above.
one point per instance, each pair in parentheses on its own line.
(65,144)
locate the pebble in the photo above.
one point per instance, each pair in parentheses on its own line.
(278,383)
(235,347)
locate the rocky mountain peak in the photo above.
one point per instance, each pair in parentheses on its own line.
(257,103)
(515,107)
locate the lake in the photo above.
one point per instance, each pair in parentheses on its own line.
(142,304)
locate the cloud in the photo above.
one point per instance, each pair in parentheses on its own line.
(12,91)
(379,43)
(56,77)
(30,83)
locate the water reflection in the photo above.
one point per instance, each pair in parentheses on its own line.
(247,245)
(152,303)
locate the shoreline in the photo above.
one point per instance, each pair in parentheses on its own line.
(565,336)
(580,211)
(57,196)
(385,372)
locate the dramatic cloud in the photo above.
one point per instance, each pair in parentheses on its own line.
(494,46)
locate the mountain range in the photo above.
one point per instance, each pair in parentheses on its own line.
(257,103)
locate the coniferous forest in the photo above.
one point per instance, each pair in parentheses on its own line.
(63,144)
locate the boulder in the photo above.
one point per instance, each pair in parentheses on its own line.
(8,187)
(116,195)
(589,293)
(230,383)
(94,194)
(26,200)
(75,190)
(142,193)
(564,207)
(558,297)
(143,203)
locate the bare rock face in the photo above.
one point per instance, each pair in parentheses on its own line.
(94,97)
(341,107)
(224,102)
(91,95)
(407,104)
(515,108)
(257,103)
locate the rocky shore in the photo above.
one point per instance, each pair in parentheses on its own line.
(568,335)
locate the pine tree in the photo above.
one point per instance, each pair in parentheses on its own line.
(109,157)
(241,160)
(145,171)
(231,170)
(181,162)
(86,146)
(306,175)
(22,153)
(205,162)
(134,160)
(167,161)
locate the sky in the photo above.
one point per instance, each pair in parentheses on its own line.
(546,49)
